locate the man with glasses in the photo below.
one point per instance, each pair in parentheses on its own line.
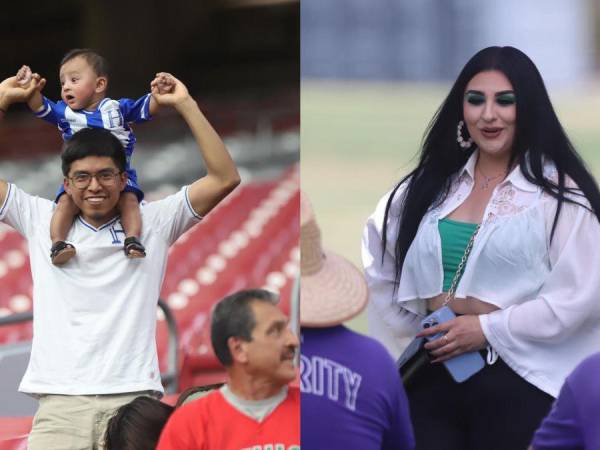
(93,346)
(82,180)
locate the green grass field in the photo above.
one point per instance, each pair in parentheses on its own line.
(359,138)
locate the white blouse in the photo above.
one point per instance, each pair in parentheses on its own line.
(548,294)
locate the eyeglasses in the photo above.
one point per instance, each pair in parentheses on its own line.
(106,178)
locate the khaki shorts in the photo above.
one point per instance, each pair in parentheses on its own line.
(75,422)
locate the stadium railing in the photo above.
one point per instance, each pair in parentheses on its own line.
(170,378)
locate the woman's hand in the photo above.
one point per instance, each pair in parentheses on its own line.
(461,335)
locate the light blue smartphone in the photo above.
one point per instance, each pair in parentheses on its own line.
(463,366)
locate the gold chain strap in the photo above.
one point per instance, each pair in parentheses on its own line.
(461,266)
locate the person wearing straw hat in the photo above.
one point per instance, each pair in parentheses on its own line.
(351,393)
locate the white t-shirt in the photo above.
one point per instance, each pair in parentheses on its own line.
(548,293)
(95,317)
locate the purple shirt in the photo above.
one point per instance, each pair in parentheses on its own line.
(574,421)
(351,394)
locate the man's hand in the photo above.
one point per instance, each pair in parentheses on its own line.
(462,334)
(168,90)
(221,174)
(11,92)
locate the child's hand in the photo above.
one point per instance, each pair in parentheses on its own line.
(24,76)
(168,90)
(165,83)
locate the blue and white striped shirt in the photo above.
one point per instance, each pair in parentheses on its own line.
(113,115)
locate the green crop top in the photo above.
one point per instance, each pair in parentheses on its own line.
(454,237)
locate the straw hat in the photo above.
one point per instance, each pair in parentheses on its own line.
(333,290)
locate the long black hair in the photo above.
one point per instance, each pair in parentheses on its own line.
(538,134)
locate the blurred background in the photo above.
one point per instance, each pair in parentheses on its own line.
(240,59)
(374,73)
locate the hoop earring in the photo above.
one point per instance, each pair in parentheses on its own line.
(464,143)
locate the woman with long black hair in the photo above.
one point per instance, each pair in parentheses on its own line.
(499,187)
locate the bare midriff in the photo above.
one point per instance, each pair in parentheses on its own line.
(469,305)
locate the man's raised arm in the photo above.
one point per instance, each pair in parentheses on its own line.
(11,92)
(222,177)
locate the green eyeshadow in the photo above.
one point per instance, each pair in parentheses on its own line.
(475,98)
(506,99)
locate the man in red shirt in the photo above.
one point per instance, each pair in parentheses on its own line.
(256,409)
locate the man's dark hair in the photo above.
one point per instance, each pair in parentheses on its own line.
(137,425)
(92,142)
(97,62)
(233,317)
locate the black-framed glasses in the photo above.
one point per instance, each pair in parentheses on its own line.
(107,178)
